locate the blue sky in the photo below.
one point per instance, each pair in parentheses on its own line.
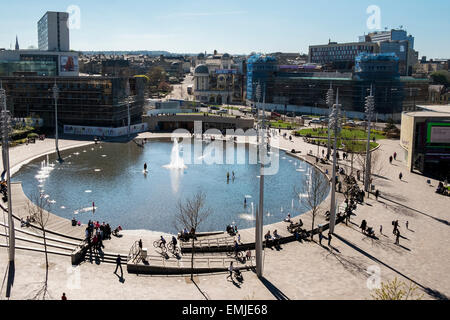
(234,26)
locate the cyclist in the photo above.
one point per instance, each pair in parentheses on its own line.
(174,242)
(162,242)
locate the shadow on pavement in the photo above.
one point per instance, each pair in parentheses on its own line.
(434,293)
(279,295)
(415,210)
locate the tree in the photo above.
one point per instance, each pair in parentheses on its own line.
(312,194)
(350,144)
(156,76)
(376,163)
(191,214)
(441,77)
(38,210)
(397,290)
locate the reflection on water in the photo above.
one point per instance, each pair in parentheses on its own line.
(111,176)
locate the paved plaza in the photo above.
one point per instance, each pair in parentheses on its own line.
(297,271)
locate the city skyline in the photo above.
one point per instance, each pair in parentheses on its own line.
(238,28)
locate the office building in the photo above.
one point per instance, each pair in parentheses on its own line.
(425,136)
(38,63)
(391,35)
(305,92)
(53,32)
(340,56)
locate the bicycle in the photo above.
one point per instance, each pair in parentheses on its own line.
(174,248)
(231,252)
(159,244)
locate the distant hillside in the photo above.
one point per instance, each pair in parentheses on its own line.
(143,52)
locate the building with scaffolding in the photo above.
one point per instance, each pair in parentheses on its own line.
(86,101)
(291,91)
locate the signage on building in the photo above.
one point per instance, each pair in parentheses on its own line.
(226,71)
(438,133)
(105,132)
(68,64)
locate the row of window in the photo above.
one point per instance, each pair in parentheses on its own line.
(342,48)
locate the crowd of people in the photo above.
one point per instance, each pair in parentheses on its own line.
(95,233)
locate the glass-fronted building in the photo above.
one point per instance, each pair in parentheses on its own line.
(84,101)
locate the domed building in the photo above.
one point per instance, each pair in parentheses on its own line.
(217,79)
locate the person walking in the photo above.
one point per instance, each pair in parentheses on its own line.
(320,237)
(390,159)
(381,229)
(377,194)
(119,265)
(395,156)
(230,270)
(400,176)
(397,238)
(407,225)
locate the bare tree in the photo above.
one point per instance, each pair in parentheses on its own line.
(376,163)
(312,194)
(397,290)
(350,144)
(191,214)
(39,215)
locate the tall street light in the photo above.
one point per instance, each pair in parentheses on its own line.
(370,106)
(260,212)
(55,97)
(5,122)
(330,101)
(335,121)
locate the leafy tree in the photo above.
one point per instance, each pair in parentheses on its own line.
(156,75)
(441,77)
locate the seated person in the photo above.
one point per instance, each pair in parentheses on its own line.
(22,222)
(288,218)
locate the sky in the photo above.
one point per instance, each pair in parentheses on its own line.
(233,26)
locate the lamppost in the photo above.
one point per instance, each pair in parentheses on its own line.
(335,122)
(370,106)
(5,122)
(330,100)
(260,212)
(55,97)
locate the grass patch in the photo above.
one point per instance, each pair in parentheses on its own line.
(282,125)
(346,133)
(356,146)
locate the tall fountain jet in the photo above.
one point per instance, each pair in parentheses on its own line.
(176,162)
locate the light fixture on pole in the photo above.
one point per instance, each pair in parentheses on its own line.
(370,107)
(330,101)
(335,122)
(5,126)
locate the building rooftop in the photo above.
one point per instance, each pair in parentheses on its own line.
(436,108)
(428,114)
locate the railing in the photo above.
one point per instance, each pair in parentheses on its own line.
(135,253)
